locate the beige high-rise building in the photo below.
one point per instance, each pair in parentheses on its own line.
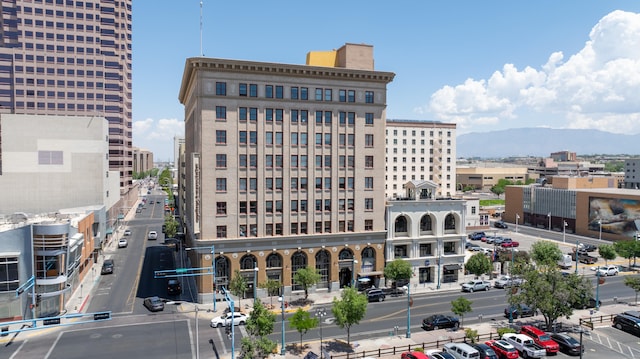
(284,168)
(71,58)
(420,151)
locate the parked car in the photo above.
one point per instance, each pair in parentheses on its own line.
(525,345)
(587,247)
(507,281)
(584,257)
(461,350)
(607,270)
(498,240)
(485,351)
(477,236)
(127,232)
(520,310)
(508,243)
(439,321)
(152,235)
(375,295)
(568,344)
(107,267)
(226,319)
(500,224)
(474,247)
(436,354)
(139,210)
(503,349)
(627,323)
(490,239)
(413,355)
(476,285)
(154,304)
(173,287)
(540,337)
(122,243)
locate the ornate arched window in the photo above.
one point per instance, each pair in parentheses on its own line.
(274,260)
(450,222)
(298,260)
(248,262)
(323,265)
(345,254)
(401,225)
(425,223)
(223,271)
(368,259)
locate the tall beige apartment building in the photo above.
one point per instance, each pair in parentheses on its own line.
(420,150)
(284,168)
(70,58)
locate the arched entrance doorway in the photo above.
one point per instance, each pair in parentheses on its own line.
(346,264)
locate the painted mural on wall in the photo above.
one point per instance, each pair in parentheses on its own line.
(618,216)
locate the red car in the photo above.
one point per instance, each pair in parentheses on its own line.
(541,338)
(508,242)
(503,349)
(414,355)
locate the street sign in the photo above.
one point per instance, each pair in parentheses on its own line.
(51,321)
(181,270)
(102,316)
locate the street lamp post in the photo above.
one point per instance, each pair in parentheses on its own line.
(408,289)
(281,299)
(564,231)
(439,260)
(353,273)
(213,269)
(511,308)
(255,283)
(321,313)
(517,218)
(577,246)
(549,215)
(600,233)
(598,288)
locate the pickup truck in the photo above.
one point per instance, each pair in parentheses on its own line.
(508,242)
(475,285)
(585,257)
(525,345)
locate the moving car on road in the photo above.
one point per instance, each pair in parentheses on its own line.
(375,295)
(153,235)
(127,232)
(154,304)
(173,287)
(520,310)
(607,270)
(500,224)
(439,321)
(107,267)
(506,281)
(122,243)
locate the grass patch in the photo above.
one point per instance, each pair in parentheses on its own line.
(491,202)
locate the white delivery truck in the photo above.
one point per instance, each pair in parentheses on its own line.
(565,262)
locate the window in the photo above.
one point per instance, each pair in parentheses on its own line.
(294,116)
(303,205)
(242,184)
(242,137)
(351,183)
(221,184)
(268,115)
(242,114)
(304,95)
(242,161)
(327,183)
(221,232)
(221,160)
(242,208)
(304,116)
(294,161)
(268,183)
(449,247)
(318,94)
(279,138)
(253,114)
(294,93)
(368,224)
(253,90)
(400,251)
(268,91)
(342,95)
(368,182)
(328,95)
(303,183)
(351,118)
(425,250)
(342,118)
(221,88)
(351,96)
(279,92)
(368,161)
(368,140)
(242,90)
(342,183)
(253,207)
(368,118)
(253,137)
(368,96)
(268,207)
(327,226)
(9,278)
(368,204)
(319,183)
(221,112)
(318,117)
(253,184)
(425,223)
(221,208)
(268,138)
(221,137)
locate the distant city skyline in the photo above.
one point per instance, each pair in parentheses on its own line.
(482,66)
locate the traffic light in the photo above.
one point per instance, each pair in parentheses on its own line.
(38,298)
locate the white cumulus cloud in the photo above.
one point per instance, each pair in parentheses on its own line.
(596,88)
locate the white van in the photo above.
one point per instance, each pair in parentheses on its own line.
(565,262)
(461,351)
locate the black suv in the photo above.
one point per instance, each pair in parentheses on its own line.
(521,310)
(628,323)
(500,224)
(173,287)
(375,295)
(439,321)
(107,267)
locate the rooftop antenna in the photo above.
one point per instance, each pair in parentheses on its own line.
(201,54)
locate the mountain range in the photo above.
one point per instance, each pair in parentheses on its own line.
(541,142)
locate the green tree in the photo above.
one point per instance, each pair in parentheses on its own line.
(478,264)
(349,309)
(306,277)
(238,286)
(398,269)
(633,283)
(471,334)
(302,321)
(259,327)
(626,249)
(607,252)
(497,190)
(273,288)
(460,307)
(546,254)
(170,226)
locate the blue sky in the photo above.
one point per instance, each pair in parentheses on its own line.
(484,65)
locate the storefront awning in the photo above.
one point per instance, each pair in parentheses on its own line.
(109,231)
(121,216)
(367,274)
(452,267)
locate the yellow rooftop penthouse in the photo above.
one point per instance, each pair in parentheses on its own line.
(350,56)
